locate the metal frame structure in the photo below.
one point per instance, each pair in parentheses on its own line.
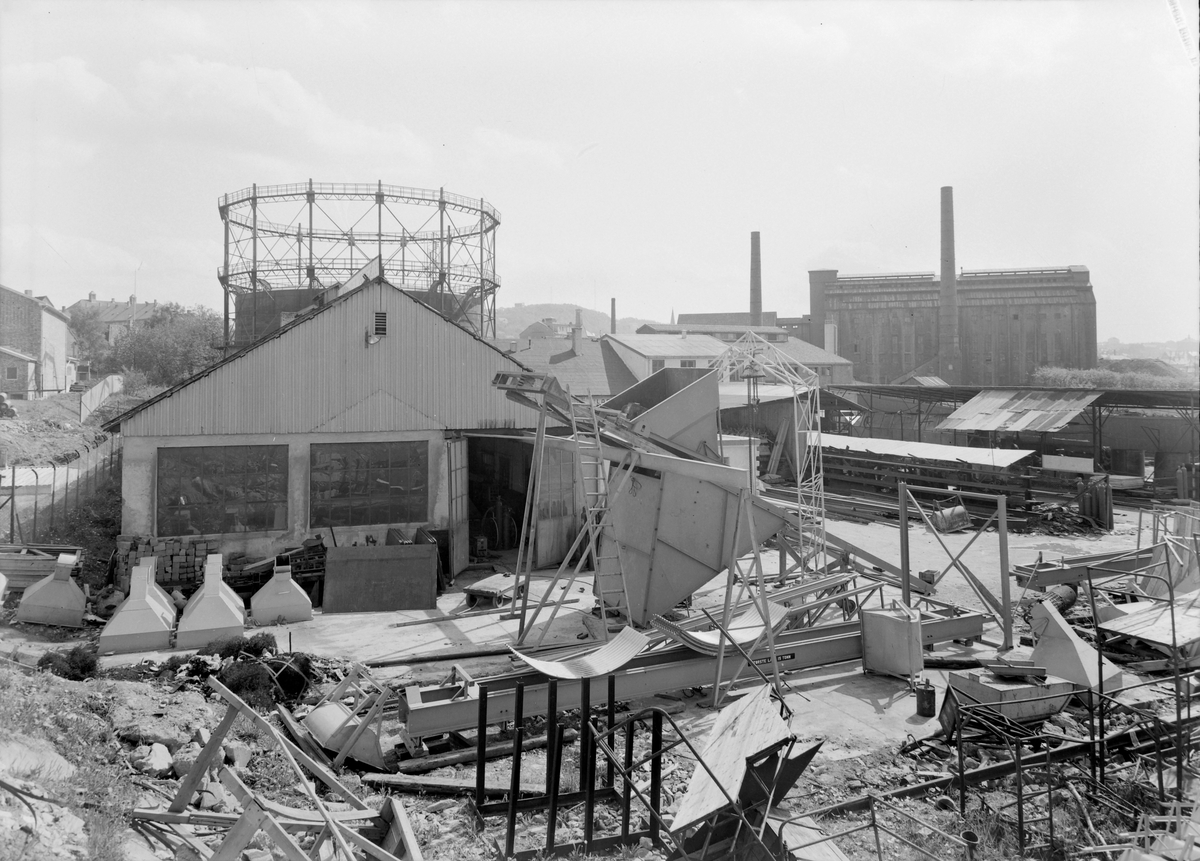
(434,244)
(752,357)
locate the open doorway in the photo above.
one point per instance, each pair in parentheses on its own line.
(498,491)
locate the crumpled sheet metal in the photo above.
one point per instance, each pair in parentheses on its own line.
(745,629)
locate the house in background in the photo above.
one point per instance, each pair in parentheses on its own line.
(372,411)
(116,318)
(36,360)
(647,354)
(547,327)
(831,368)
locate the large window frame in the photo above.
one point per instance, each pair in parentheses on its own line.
(368,483)
(216,490)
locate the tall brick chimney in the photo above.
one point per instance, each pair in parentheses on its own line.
(612,325)
(949,355)
(755,281)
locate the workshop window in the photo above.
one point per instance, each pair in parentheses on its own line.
(219,489)
(687,363)
(367,483)
(10,373)
(657,365)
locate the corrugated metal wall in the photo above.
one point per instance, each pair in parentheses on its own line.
(322,376)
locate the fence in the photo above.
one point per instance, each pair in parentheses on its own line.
(37,500)
(98,393)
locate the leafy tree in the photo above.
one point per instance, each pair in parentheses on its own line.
(175,343)
(90,342)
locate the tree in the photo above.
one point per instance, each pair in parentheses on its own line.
(175,343)
(91,344)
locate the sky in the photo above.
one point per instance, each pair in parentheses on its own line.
(630,148)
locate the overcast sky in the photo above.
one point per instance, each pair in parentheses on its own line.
(630,148)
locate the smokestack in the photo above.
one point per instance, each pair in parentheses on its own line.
(755,281)
(948,352)
(577,331)
(612,326)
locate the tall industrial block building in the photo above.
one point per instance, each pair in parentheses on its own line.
(970,327)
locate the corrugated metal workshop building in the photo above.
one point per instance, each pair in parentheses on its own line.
(349,419)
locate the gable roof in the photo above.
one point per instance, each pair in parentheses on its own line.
(706,329)
(17,354)
(595,368)
(42,301)
(287,354)
(808,354)
(671,346)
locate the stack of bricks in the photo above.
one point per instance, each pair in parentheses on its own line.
(180,560)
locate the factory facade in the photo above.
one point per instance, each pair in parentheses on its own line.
(969,327)
(1009,322)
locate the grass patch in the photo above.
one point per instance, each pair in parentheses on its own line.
(75,665)
(74,717)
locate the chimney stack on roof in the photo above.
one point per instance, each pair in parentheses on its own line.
(755,281)
(92,296)
(577,331)
(612,325)
(948,352)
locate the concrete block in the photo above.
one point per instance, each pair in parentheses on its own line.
(55,599)
(281,598)
(144,620)
(1012,697)
(215,610)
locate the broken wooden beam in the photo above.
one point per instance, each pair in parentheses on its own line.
(449,785)
(422,764)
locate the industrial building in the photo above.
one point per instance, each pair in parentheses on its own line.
(989,327)
(281,441)
(36,346)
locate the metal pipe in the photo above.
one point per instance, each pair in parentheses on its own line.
(514,786)
(481,747)
(612,720)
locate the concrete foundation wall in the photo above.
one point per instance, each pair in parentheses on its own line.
(139,482)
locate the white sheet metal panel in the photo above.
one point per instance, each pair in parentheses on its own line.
(610,657)
(676,530)
(1014,409)
(321,375)
(998,457)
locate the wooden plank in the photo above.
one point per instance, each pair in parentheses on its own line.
(239,836)
(191,782)
(400,839)
(319,771)
(422,764)
(447,785)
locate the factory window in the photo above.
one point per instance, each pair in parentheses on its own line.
(657,365)
(10,373)
(357,484)
(687,363)
(212,490)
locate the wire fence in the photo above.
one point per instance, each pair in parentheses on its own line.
(36,501)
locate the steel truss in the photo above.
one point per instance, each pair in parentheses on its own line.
(753,358)
(315,235)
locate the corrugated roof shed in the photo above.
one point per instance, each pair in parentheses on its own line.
(706,329)
(596,368)
(319,374)
(998,457)
(672,346)
(1034,411)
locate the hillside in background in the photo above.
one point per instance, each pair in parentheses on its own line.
(510,322)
